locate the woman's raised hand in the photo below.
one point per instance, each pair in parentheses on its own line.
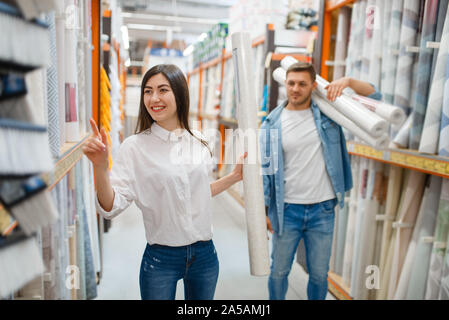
(96,147)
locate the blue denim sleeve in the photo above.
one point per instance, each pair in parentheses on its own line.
(263,139)
(376,95)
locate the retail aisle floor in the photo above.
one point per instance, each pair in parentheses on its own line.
(125,241)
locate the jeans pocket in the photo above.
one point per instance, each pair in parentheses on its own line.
(328,206)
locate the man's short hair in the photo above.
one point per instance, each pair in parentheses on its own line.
(303,67)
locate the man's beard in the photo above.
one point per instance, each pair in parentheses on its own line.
(300,103)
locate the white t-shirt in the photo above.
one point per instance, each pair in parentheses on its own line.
(305,174)
(168,176)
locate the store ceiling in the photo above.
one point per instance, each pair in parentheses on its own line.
(162,20)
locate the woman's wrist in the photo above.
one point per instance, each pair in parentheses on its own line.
(234,177)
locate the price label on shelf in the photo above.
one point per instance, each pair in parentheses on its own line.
(397,157)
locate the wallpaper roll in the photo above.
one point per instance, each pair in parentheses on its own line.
(71,84)
(422,83)
(442,8)
(404,226)
(368,29)
(89,196)
(330,111)
(425,229)
(20,263)
(385,40)
(365,252)
(402,137)
(360,39)
(390,113)
(350,60)
(444,288)
(60,48)
(439,244)
(394,202)
(373,124)
(361,203)
(393,49)
(431,131)
(344,16)
(443,148)
(430,199)
(52,89)
(380,223)
(342,226)
(375,70)
(252,180)
(404,72)
(349,243)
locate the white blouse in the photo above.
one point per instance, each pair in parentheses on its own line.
(168,175)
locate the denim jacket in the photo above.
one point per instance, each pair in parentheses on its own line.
(336,159)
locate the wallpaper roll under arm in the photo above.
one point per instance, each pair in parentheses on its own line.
(390,113)
(332,112)
(252,179)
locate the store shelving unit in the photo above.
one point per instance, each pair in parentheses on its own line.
(71,153)
(409,159)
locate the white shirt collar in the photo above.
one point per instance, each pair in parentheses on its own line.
(166,135)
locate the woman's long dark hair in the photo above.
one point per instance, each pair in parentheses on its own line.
(178,84)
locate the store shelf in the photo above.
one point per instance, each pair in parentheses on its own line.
(429,164)
(71,154)
(332,5)
(337,287)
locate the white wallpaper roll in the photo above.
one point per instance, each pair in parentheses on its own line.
(331,111)
(252,180)
(365,119)
(392,114)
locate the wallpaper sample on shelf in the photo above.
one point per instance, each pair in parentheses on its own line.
(422,84)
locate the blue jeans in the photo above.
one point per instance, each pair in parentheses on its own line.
(163,266)
(316,224)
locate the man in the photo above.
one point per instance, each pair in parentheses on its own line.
(306,173)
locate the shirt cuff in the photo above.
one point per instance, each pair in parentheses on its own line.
(106,214)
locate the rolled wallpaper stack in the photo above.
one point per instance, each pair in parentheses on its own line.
(366,118)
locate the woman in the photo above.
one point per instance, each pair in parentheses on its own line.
(165,169)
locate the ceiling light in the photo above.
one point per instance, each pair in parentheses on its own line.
(151,27)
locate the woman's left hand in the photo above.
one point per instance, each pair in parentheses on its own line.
(238,169)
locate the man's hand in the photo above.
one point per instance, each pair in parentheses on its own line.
(269,227)
(335,88)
